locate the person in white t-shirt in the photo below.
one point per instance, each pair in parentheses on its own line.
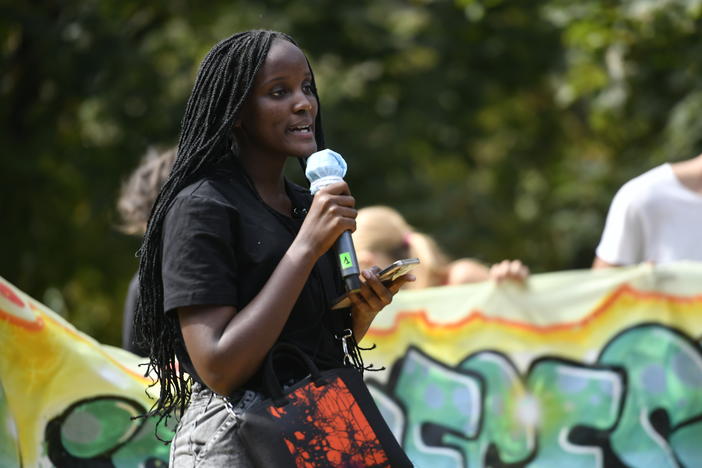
(655,217)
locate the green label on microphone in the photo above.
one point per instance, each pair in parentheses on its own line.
(345,259)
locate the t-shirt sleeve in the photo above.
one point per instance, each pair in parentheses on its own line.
(622,238)
(199,265)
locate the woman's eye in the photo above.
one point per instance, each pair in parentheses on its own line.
(307,88)
(278,92)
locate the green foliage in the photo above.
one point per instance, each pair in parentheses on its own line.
(502,128)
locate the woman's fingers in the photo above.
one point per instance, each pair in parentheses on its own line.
(332,212)
(376,292)
(373,295)
(397,283)
(337,211)
(338,188)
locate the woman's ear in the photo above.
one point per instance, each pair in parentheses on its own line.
(233,140)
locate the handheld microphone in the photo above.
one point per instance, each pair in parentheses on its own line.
(323,168)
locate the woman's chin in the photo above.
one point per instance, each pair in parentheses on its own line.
(304,152)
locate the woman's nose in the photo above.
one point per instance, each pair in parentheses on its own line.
(303,102)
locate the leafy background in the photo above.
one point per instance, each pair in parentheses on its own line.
(502,128)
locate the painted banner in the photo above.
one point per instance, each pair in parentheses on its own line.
(576,369)
(573,369)
(65,399)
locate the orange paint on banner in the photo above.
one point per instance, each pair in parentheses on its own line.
(34,325)
(8,293)
(420,318)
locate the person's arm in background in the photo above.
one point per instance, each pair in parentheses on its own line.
(599,263)
(467,270)
(622,236)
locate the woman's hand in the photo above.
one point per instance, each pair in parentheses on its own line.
(332,212)
(372,298)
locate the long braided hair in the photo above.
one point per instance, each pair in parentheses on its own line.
(224,80)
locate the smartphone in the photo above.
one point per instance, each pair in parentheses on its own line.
(397,269)
(386,275)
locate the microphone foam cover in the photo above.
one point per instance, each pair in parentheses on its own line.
(323,168)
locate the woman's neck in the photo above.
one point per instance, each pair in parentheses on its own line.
(267,177)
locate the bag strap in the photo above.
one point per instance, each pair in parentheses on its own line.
(271,383)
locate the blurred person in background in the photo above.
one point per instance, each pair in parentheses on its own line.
(655,217)
(383,236)
(137,197)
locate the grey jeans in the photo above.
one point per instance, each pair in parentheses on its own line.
(208,434)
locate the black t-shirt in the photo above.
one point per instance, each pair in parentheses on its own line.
(221,243)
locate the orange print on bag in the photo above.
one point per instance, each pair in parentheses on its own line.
(335,430)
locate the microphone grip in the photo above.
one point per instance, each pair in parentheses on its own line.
(348,264)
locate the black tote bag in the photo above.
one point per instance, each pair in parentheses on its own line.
(327,419)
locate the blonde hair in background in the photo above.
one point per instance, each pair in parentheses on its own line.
(140,190)
(433,267)
(383,231)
